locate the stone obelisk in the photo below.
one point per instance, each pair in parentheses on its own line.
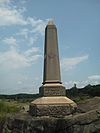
(53,100)
(51,56)
(52,85)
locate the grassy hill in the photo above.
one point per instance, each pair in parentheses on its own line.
(88,91)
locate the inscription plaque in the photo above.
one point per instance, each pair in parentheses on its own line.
(52,91)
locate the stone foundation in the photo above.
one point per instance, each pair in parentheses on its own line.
(52,106)
(51,110)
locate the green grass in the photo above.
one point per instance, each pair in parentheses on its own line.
(7,108)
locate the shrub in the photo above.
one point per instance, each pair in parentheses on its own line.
(7,108)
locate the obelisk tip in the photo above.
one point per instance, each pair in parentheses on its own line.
(50,22)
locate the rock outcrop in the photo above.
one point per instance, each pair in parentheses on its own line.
(88,122)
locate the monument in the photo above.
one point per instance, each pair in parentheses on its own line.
(53,100)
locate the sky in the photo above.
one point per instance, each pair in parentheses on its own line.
(22,26)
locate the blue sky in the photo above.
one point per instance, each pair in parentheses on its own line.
(22,25)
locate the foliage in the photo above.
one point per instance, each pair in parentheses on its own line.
(20,97)
(6,107)
(89,90)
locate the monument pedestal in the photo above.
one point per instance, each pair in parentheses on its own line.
(52,106)
(52,102)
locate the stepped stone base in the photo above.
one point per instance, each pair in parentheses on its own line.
(52,106)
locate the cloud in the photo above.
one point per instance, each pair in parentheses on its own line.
(13,59)
(28,35)
(80,84)
(93,80)
(32,54)
(33,40)
(19,82)
(34,58)
(69,63)
(94,77)
(4,1)
(11,16)
(23,32)
(11,41)
(37,24)
(31,51)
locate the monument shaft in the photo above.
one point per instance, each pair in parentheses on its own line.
(52,85)
(51,56)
